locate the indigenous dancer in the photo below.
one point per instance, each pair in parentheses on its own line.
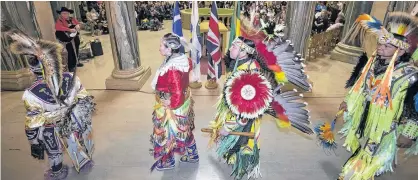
(258,63)
(380,109)
(58,108)
(173,115)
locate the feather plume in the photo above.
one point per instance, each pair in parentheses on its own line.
(289,111)
(278,54)
(48,53)
(22,44)
(363,24)
(52,57)
(249,32)
(402,23)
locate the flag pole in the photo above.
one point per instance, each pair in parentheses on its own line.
(213,47)
(196,48)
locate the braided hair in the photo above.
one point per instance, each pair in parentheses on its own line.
(172,41)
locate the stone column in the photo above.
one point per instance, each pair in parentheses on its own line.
(403,6)
(377,9)
(351,52)
(299,27)
(354,9)
(45,20)
(15,74)
(299,20)
(128,73)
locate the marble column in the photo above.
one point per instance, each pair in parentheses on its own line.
(45,20)
(15,74)
(377,10)
(300,26)
(403,6)
(345,51)
(128,73)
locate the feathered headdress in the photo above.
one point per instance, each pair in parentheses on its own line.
(278,53)
(48,53)
(402,31)
(364,24)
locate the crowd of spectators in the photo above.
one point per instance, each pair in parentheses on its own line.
(328,16)
(151,14)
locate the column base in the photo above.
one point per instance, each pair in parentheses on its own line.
(195,85)
(346,53)
(126,81)
(16,80)
(211,84)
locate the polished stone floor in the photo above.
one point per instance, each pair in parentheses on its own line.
(122,126)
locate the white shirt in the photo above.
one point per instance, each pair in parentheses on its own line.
(335,26)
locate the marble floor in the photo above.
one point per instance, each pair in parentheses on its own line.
(122,125)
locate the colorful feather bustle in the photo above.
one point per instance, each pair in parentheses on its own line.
(279,56)
(363,24)
(248,94)
(284,62)
(288,110)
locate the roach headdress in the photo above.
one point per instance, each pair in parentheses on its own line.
(401,31)
(46,52)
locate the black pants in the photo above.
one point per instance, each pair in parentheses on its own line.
(72,58)
(161,18)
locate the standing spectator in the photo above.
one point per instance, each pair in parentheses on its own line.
(318,23)
(103,26)
(270,13)
(337,25)
(340,16)
(83,11)
(320,6)
(340,6)
(325,20)
(92,18)
(333,10)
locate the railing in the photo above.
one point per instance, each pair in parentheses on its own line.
(322,43)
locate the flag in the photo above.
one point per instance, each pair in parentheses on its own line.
(235,24)
(213,45)
(196,52)
(177,29)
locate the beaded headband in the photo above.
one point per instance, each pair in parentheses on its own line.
(389,38)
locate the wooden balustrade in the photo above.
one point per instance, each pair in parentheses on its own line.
(322,43)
